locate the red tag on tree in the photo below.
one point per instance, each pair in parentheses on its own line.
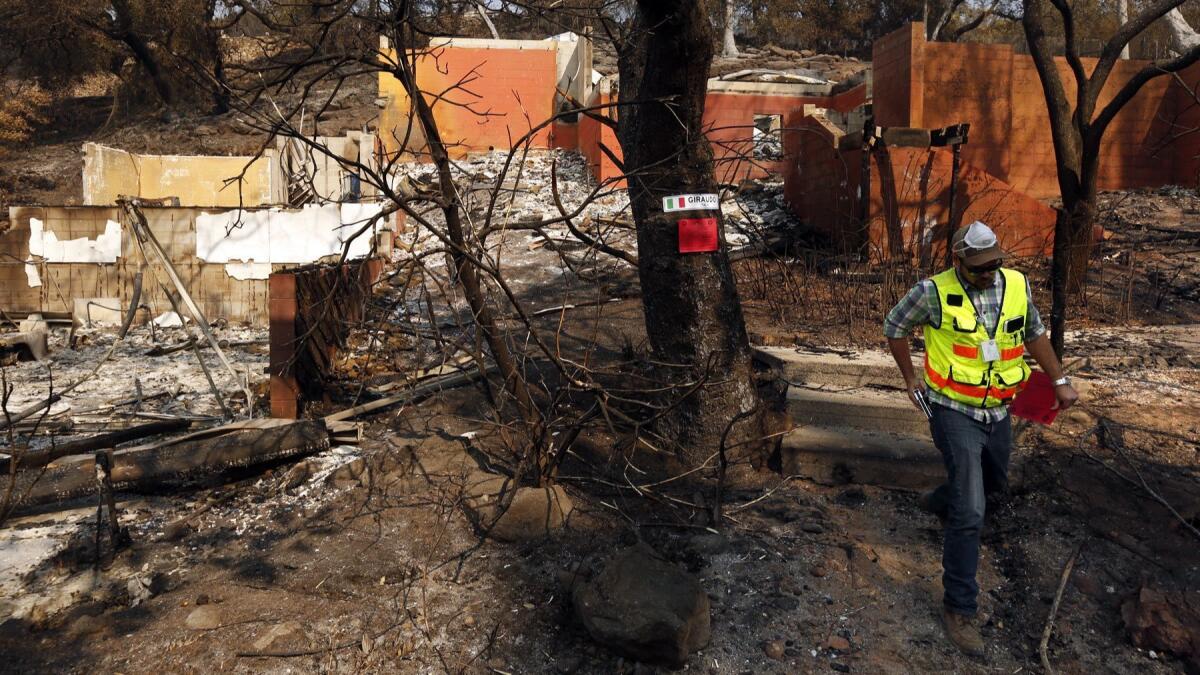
(697,235)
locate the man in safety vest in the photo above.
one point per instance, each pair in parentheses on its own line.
(979,322)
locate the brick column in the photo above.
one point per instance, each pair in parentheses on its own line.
(285,390)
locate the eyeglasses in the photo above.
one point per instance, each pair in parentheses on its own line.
(984,269)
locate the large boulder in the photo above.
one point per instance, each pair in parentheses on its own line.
(645,608)
(533,514)
(1165,621)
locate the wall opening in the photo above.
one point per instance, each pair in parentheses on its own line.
(768,138)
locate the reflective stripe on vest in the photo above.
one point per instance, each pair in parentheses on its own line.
(953,357)
(976,392)
(973,352)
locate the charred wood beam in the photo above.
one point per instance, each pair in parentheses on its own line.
(173,464)
(39,458)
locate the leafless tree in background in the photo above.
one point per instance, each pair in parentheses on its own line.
(1078,128)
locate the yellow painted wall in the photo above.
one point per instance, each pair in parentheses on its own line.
(195,180)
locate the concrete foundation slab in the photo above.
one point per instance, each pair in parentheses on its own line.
(865,409)
(873,369)
(834,456)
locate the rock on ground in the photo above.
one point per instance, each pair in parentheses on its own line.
(207,617)
(534,513)
(1164,621)
(645,608)
(282,636)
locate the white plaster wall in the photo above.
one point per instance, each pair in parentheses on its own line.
(249,242)
(103,249)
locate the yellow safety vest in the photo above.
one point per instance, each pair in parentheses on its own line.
(954,363)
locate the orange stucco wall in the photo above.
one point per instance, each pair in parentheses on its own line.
(729,126)
(909,199)
(483,99)
(932,85)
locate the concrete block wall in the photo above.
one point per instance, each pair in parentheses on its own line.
(592,133)
(729,127)
(821,185)
(908,211)
(1186,119)
(896,70)
(910,207)
(195,180)
(51,284)
(285,388)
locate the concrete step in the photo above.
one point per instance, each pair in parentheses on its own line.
(837,455)
(857,408)
(861,369)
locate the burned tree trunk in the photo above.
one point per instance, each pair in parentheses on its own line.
(534,466)
(692,312)
(729,41)
(122,30)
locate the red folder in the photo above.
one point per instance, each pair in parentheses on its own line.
(1036,402)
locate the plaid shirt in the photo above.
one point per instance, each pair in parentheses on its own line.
(921,306)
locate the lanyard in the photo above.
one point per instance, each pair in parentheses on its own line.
(967,288)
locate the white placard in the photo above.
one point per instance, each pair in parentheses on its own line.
(705,202)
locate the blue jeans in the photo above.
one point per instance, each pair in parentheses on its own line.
(976,457)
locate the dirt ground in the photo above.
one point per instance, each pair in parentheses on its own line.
(346,571)
(328,568)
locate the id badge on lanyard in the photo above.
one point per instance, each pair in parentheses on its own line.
(989,350)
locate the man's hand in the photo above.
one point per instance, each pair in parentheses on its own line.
(912,387)
(1065,396)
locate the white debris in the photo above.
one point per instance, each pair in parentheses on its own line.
(168,320)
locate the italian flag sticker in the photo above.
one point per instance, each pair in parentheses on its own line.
(700,202)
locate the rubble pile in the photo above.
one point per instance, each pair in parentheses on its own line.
(138,382)
(524,195)
(829,67)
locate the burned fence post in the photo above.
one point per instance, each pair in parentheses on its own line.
(284,392)
(118,537)
(956,137)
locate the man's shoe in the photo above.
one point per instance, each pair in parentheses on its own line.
(963,633)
